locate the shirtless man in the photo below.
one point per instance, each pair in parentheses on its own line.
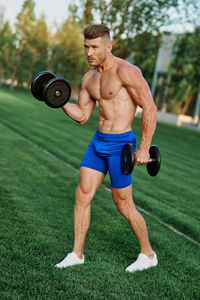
(118,87)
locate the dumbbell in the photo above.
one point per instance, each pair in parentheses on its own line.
(54,91)
(128,160)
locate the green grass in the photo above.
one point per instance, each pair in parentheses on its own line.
(41,150)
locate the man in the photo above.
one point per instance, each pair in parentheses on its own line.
(118,87)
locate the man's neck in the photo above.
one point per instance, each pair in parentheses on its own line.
(107,63)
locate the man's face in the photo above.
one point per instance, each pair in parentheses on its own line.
(96,50)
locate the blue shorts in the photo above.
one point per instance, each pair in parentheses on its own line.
(104,153)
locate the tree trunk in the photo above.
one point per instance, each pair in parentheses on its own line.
(187,104)
(13,80)
(88,11)
(122,24)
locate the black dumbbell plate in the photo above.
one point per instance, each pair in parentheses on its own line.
(154,166)
(57,92)
(127,159)
(38,83)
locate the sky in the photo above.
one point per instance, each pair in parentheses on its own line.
(54,10)
(57,11)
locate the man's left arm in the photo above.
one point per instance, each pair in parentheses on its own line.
(137,87)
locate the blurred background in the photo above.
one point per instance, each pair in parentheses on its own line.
(161,37)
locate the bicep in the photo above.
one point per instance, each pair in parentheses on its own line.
(86,103)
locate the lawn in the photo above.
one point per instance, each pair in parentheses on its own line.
(41,150)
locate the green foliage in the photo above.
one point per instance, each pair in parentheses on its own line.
(185,72)
(32,45)
(40,45)
(127,18)
(67,53)
(141,51)
(8,51)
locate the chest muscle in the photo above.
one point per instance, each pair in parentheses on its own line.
(105,86)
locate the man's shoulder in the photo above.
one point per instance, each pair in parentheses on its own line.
(88,74)
(86,77)
(127,71)
(126,67)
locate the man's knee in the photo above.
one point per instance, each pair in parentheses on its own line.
(123,200)
(83,195)
(121,203)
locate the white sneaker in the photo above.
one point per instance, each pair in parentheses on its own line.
(70,260)
(143,262)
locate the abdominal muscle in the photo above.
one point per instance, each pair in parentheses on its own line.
(116,115)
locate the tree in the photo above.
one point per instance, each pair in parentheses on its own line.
(32,50)
(7,51)
(67,55)
(40,45)
(88,15)
(25,35)
(185,73)
(126,18)
(143,51)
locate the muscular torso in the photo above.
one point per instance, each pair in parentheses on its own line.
(116,107)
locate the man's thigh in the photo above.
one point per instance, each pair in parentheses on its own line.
(90,180)
(118,179)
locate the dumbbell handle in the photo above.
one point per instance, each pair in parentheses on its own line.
(151,160)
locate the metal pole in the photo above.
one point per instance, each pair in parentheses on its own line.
(197,110)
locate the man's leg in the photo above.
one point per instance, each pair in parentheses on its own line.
(124,203)
(89,182)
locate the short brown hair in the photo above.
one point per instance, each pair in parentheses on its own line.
(94,31)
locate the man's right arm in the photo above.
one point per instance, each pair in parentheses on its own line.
(81,111)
